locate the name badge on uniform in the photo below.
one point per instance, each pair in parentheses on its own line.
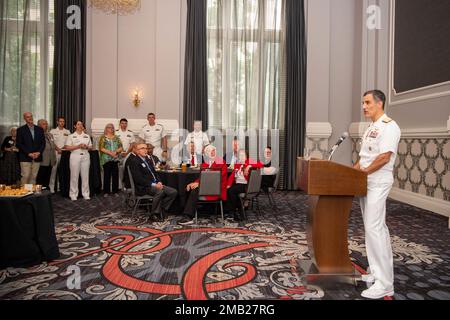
(66,135)
(128,136)
(148,131)
(374,134)
(158,130)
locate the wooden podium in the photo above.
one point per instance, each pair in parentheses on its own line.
(331,188)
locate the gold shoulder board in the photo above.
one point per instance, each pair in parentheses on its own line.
(387,120)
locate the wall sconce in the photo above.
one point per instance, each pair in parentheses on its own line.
(136,98)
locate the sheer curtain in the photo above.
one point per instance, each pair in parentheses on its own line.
(25,60)
(246,67)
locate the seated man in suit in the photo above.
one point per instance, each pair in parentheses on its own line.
(154,159)
(194,159)
(212,162)
(147,182)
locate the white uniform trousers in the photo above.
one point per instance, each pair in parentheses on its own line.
(79,164)
(378,240)
(54,173)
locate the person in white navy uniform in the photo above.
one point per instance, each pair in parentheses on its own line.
(79,143)
(60,135)
(198,137)
(377,158)
(155,135)
(128,139)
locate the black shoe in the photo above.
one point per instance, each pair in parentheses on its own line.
(237,217)
(156,217)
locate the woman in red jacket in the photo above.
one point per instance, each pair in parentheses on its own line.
(238,181)
(212,162)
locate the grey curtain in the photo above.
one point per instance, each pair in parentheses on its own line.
(19,63)
(295,126)
(69,79)
(196,71)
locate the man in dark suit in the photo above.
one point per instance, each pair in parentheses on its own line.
(31,145)
(146,181)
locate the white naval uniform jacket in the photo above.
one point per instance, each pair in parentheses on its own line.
(153,134)
(381,137)
(126,137)
(76,139)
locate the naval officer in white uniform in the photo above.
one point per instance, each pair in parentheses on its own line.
(198,137)
(155,135)
(377,159)
(60,135)
(127,138)
(79,143)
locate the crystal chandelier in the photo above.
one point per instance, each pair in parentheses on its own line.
(121,7)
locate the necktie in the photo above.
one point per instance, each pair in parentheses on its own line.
(149,169)
(193,160)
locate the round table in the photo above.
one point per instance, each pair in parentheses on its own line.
(179,180)
(95,176)
(27,231)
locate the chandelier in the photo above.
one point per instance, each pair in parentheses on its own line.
(121,7)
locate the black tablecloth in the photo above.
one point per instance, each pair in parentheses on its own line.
(179,181)
(27,231)
(95,177)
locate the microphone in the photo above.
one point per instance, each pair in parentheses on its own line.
(344,137)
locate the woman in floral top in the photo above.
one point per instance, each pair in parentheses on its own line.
(110,148)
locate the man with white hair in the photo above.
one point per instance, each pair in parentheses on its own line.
(31,145)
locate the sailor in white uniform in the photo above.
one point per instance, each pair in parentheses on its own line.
(128,139)
(198,137)
(79,143)
(60,135)
(377,158)
(155,135)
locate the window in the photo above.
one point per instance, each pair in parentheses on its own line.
(245,63)
(26,64)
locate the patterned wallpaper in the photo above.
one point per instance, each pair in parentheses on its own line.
(422,166)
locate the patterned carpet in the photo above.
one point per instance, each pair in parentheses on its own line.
(124,258)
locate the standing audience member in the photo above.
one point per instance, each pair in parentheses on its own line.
(110,148)
(154,159)
(198,138)
(31,144)
(238,181)
(127,138)
(79,143)
(10,166)
(48,156)
(60,135)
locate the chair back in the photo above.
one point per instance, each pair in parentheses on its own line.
(254,183)
(133,188)
(210,183)
(277,180)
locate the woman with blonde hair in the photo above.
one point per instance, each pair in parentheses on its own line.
(110,147)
